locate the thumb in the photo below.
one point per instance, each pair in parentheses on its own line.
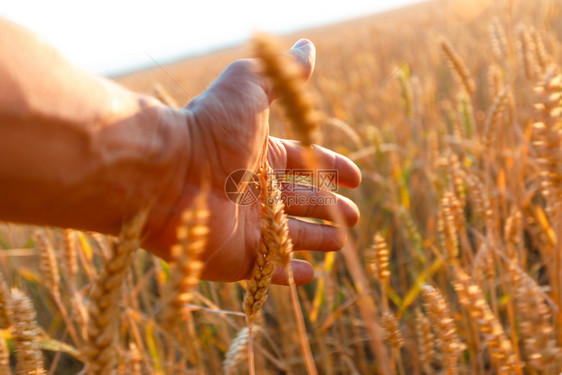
(304,54)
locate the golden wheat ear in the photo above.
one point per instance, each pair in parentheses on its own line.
(472,298)
(29,358)
(287,79)
(103,309)
(275,245)
(547,138)
(48,262)
(186,265)
(458,67)
(425,340)
(238,350)
(527,53)
(536,325)
(443,325)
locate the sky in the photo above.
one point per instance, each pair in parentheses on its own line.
(111,36)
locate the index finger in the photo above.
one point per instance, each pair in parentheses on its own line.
(349,174)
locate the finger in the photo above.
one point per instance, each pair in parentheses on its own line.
(310,201)
(318,237)
(303,273)
(348,173)
(304,54)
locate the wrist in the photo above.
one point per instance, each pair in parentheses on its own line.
(162,180)
(136,152)
(148,155)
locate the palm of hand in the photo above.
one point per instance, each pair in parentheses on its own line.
(229,127)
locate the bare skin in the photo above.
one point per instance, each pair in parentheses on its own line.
(80,151)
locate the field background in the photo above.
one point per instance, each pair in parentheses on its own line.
(461,183)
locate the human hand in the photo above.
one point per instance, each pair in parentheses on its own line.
(227,130)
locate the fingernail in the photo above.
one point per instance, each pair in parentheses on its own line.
(300,43)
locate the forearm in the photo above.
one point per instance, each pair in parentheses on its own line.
(76,150)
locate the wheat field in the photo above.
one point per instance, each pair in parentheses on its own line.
(453,112)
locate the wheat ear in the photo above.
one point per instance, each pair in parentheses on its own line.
(48,262)
(493,119)
(425,340)
(287,79)
(498,40)
(472,298)
(378,267)
(192,237)
(547,139)
(527,53)
(392,330)
(443,324)
(49,268)
(29,359)
(70,259)
(535,326)
(103,306)
(448,226)
(275,245)
(458,67)
(275,249)
(543,60)
(379,260)
(238,350)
